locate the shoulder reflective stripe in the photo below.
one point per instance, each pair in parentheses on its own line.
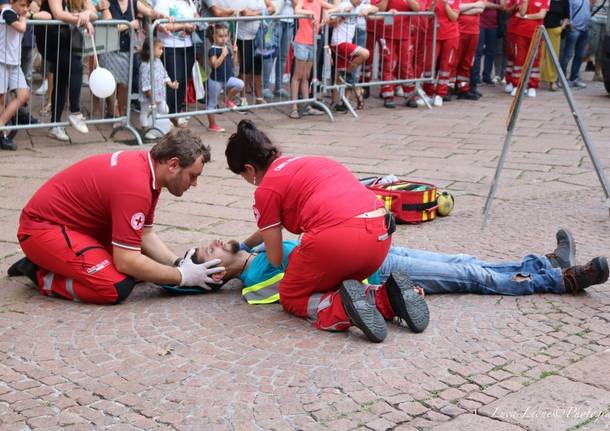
(128,247)
(70,289)
(48,281)
(265,292)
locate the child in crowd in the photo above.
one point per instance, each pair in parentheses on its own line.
(11,75)
(348,55)
(151,58)
(303,48)
(221,76)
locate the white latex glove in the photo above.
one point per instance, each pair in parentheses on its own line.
(198,274)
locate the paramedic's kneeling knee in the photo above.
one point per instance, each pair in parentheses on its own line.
(124,288)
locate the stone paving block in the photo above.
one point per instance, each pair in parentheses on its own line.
(593,370)
(469,422)
(551,404)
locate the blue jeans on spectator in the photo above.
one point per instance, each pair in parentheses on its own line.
(573,45)
(461,273)
(488,39)
(285,34)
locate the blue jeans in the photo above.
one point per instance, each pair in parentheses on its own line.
(460,273)
(574,45)
(360,40)
(488,39)
(285,33)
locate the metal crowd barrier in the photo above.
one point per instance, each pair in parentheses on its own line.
(106,41)
(181,64)
(387,45)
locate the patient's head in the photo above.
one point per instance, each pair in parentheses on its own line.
(228,252)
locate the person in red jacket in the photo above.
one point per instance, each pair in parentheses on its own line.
(87,232)
(447,43)
(530,14)
(345,236)
(469,23)
(399,53)
(510,7)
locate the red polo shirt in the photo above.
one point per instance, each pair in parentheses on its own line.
(309,194)
(447,29)
(110,197)
(469,24)
(527,27)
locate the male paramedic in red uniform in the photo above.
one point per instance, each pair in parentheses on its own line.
(87,232)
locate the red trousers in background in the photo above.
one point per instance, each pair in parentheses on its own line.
(522,44)
(509,52)
(74,266)
(352,250)
(372,39)
(398,57)
(465,59)
(446,53)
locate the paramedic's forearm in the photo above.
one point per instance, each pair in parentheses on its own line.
(153,247)
(143,268)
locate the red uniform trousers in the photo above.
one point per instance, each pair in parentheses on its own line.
(351,250)
(74,266)
(372,39)
(446,54)
(522,44)
(509,47)
(423,55)
(466,52)
(397,64)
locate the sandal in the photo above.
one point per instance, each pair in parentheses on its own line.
(294,115)
(311,111)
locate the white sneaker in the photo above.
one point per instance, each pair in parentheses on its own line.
(77,121)
(438,101)
(509,88)
(398,92)
(422,101)
(58,133)
(42,90)
(182,122)
(243,101)
(513,92)
(531,92)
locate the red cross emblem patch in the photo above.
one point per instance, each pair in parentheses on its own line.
(137,221)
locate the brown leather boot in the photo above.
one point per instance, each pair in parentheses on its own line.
(577,278)
(564,256)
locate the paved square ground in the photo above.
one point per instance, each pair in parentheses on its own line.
(212,362)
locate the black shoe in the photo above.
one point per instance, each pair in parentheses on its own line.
(366,92)
(340,107)
(577,278)
(590,67)
(477,92)
(389,103)
(7,143)
(564,256)
(25,117)
(24,266)
(447,98)
(135,105)
(411,103)
(362,311)
(467,96)
(406,303)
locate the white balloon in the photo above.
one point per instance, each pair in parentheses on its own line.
(102,83)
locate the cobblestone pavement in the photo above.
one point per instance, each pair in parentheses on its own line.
(211,362)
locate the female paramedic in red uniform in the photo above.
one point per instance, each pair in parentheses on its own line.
(345,234)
